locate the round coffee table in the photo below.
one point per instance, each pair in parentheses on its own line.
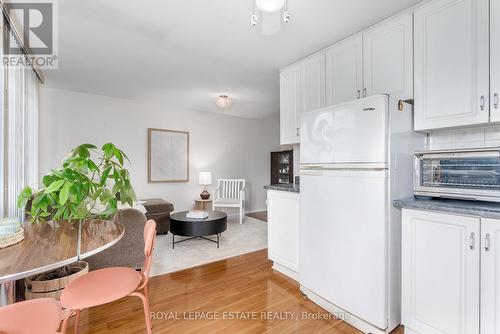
(214,224)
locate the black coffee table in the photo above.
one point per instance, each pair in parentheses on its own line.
(214,224)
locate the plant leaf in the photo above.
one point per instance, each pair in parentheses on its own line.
(109,150)
(64,193)
(24,197)
(56,185)
(118,154)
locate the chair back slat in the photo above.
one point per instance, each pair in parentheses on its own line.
(229,188)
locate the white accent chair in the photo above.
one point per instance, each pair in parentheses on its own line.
(230,193)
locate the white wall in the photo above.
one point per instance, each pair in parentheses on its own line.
(229,147)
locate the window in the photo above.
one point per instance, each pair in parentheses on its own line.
(19,129)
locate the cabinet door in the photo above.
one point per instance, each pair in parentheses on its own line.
(289,104)
(283,228)
(344,71)
(388,58)
(495,59)
(440,276)
(490,276)
(313,83)
(451,64)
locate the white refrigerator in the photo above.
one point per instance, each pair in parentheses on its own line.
(356,158)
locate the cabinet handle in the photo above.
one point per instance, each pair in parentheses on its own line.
(487,242)
(359,93)
(365,92)
(483,102)
(472,240)
(298,132)
(495,100)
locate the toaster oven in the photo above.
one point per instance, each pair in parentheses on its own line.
(472,174)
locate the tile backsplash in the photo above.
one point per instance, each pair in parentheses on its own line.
(464,138)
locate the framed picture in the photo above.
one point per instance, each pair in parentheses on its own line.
(168,156)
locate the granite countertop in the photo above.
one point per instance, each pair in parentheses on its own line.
(461,207)
(292,188)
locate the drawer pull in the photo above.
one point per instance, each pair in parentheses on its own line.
(487,242)
(472,240)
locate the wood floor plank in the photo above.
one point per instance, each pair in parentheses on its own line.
(261,215)
(241,295)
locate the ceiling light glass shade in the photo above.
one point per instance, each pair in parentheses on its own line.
(270,6)
(223,101)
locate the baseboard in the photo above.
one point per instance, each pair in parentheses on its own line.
(285,271)
(347,317)
(255,211)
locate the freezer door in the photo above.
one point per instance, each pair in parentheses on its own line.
(354,132)
(343,240)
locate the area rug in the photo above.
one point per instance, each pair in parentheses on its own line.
(238,239)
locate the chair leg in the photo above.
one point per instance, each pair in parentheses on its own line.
(77,320)
(241,215)
(146,293)
(145,304)
(64,324)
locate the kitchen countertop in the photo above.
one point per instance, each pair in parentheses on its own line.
(461,207)
(291,188)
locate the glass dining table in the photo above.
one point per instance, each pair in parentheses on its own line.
(50,245)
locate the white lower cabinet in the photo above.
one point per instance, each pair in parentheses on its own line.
(451,274)
(490,276)
(440,273)
(283,231)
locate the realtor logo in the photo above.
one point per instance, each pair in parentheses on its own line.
(36,26)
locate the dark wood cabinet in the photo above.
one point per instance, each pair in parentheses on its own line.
(282,167)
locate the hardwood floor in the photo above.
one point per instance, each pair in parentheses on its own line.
(262,215)
(244,287)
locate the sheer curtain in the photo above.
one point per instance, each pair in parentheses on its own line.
(19,142)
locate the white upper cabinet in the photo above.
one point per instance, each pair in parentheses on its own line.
(495,59)
(290,104)
(490,279)
(344,71)
(388,58)
(440,273)
(313,82)
(302,89)
(451,64)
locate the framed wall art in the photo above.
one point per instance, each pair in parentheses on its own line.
(168,156)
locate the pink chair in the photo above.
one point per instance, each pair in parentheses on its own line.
(40,316)
(110,284)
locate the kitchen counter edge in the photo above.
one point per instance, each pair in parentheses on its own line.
(283,187)
(459,207)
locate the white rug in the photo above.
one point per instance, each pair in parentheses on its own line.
(236,240)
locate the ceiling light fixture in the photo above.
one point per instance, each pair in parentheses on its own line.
(267,7)
(223,101)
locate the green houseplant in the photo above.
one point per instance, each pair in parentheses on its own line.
(90,184)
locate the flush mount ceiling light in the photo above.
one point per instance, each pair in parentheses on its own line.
(270,11)
(269,6)
(223,101)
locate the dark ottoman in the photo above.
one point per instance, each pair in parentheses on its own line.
(159,210)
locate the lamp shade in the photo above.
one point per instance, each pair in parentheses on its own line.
(205,178)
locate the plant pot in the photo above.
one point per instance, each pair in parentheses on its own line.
(44,286)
